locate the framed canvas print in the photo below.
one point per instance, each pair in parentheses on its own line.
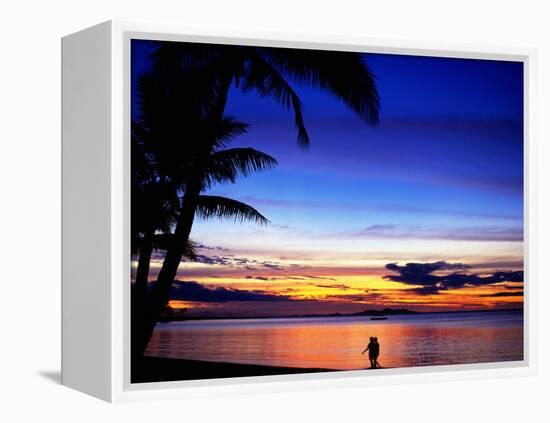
(249,211)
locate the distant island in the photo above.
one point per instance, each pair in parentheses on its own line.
(171,315)
(383,312)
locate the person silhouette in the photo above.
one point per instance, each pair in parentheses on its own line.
(371,348)
(376,352)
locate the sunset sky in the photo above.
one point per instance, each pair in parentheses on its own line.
(424,211)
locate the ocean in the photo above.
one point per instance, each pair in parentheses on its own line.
(337,342)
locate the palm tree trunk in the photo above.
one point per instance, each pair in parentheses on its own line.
(139,292)
(160,292)
(144,263)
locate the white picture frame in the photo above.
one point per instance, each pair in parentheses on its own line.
(95,209)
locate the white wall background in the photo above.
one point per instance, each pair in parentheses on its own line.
(30,207)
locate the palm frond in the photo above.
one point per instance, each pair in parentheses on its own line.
(190,250)
(210,206)
(199,74)
(263,78)
(227,165)
(154,207)
(344,74)
(162,242)
(172,58)
(222,132)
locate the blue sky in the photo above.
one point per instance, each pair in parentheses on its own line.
(450,137)
(440,178)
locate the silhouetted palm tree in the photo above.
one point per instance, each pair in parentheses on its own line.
(162,137)
(192,158)
(154,211)
(164,149)
(270,72)
(206,73)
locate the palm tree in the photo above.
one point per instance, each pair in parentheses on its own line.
(162,148)
(270,72)
(208,72)
(154,210)
(192,158)
(160,140)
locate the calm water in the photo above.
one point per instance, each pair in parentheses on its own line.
(336,343)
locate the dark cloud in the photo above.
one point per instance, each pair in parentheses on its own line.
(503,294)
(421,273)
(219,260)
(426,290)
(320,277)
(196,292)
(360,298)
(209,247)
(260,278)
(249,264)
(272,265)
(335,286)
(424,274)
(294,278)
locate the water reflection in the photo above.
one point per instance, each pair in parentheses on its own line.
(337,343)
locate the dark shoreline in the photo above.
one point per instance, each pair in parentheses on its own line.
(157,369)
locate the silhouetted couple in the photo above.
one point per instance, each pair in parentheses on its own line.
(374,351)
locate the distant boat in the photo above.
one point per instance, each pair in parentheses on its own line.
(379,318)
